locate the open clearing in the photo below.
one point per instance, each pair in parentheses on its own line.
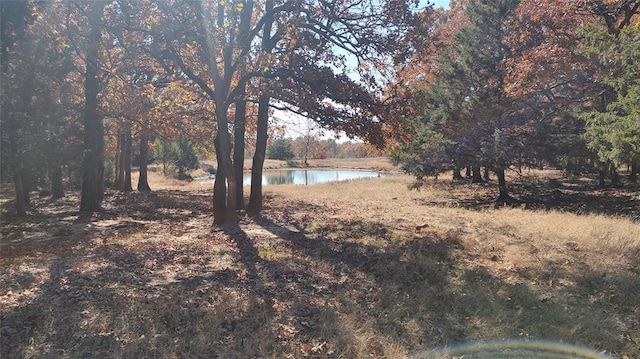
(362,269)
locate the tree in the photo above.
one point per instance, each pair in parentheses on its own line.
(468,117)
(39,133)
(93,160)
(280,149)
(291,42)
(613,130)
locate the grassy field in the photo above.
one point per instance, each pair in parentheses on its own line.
(360,269)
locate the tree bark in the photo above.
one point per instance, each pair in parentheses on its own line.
(127,144)
(486,174)
(477,176)
(255,198)
(143,180)
(25,177)
(219,187)
(239,127)
(503,194)
(21,203)
(615,177)
(93,159)
(55,175)
(224,194)
(602,175)
(467,173)
(119,180)
(633,173)
(456,174)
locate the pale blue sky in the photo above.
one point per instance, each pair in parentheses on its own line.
(442,3)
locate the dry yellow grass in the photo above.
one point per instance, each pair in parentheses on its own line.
(360,269)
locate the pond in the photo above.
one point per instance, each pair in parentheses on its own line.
(309,176)
(303,176)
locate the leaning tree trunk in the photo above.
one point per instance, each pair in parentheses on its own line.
(143,180)
(502,186)
(92,164)
(255,198)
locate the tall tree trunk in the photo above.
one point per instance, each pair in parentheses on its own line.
(633,172)
(615,177)
(219,186)
(486,174)
(21,203)
(502,185)
(224,194)
(55,175)
(93,160)
(456,174)
(238,148)
(127,144)
(25,177)
(307,144)
(602,175)
(255,198)
(143,180)
(477,176)
(119,182)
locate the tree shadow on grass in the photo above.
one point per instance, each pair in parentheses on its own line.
(347,288)
(424,293)
(577,196)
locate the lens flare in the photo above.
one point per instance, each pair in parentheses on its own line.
(512,349)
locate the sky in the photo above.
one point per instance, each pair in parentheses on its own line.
(440,3)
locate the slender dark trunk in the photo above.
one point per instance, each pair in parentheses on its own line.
(219,186)
(602,175)
(255,198)
(21,203)
(119,182)
(238,149)
(127,149)
(143,180)
(55,175)
(93,160)
(502,185)
(486,175)
(456,174)
(477,176)
(25,177)
(615,177)
(633,173)
(467,172)
(306,150)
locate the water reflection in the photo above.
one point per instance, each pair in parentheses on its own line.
(309,176)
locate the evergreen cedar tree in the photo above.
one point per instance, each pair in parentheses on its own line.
(519,95)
